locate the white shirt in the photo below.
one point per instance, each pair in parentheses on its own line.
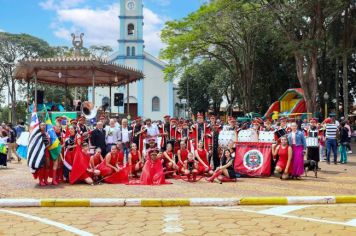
(125,134)
(152,131)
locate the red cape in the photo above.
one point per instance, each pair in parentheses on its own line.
(80,166)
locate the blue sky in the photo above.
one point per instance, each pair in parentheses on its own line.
(54,20)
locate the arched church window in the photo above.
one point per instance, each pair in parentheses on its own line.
(155,104)
(130,29)
(128,51)
(133,51)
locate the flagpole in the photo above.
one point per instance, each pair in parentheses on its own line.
(36,89)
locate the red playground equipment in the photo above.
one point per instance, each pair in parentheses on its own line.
(290,104)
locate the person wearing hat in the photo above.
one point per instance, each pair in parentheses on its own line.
(137,133)
(313,135)
(150,145)
(215,132)
(152,172)
(83,130)
(255,131)
(268,125)
(331,132)
(183,134)
(73,123)
(200,131)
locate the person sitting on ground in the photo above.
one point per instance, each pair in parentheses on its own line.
(201,155)
(95,160)
(168,160)
(135,160)
(284,151)
(226,171)
(191,167)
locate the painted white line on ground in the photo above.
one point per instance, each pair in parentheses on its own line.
(280,210)
(49,222)
(172,221)
(351,224)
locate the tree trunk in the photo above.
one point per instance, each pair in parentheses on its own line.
(337,89)
(308,80)
(13,101)
(345,86)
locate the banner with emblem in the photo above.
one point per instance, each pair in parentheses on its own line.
(253,159)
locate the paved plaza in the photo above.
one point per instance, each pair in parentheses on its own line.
(336,219)
(332,180)
(262,220)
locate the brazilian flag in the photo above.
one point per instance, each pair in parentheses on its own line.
(55,147)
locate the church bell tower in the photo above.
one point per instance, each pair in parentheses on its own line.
(131,42)
(131,29)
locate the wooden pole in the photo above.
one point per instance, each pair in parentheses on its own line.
(35,90)
(128,98)
(110,99)
(93,83)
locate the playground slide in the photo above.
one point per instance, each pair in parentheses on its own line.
(274,107)
(300,107)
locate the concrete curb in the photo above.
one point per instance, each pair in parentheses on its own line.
(175,202)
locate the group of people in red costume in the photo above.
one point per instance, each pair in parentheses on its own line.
(150,152)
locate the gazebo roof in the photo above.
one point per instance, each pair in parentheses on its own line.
(76,71)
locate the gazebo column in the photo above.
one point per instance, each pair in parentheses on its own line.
(93,83)
(128,98)
(110,99)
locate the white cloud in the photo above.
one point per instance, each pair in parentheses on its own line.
(1,30)
(59,4)
(101,26)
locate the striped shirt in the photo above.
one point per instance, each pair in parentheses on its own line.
(331,130)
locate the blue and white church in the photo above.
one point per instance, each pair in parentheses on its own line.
(151,97)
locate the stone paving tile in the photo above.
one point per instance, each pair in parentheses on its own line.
(342,213)
(191,221)
(333,180)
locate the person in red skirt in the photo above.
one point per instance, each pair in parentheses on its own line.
(191,167)
(182,156)
(284,152)
(112,169)
(135,160)
(168,160)
(94,162)
(70,144)
(201,155)
(81,167)
(152,172)
(226,171)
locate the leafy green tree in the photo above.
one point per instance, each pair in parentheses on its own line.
(224,30)
(15,47)
(302,25)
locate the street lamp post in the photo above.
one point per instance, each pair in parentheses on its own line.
(326,99)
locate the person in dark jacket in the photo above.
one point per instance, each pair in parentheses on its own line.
(344,138)
(98,138)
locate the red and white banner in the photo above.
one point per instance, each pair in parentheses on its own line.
(253,159)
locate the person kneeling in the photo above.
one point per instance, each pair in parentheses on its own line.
(284,151)
(191,168)
(81,167)
(94,163)
(226,172)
